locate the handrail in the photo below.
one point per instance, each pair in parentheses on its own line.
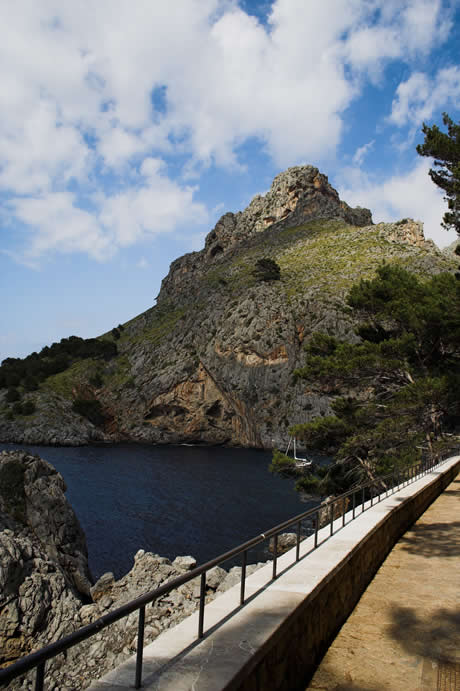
(39,658)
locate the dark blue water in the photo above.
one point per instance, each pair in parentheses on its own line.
(169,500)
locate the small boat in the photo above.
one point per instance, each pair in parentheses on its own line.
(299,462)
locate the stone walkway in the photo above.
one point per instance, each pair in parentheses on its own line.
(404,634)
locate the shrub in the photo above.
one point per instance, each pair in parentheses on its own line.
(266,269)
(13,395)
(30,384)
(96,380)
(28,408)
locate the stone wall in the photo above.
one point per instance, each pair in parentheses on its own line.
(288,659)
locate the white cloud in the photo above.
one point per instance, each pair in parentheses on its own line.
(404,30)
(362,151)
(77,88)
(55,223)
(406,195)
(155,205)
(420,96)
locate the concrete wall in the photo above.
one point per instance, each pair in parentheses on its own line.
(288,659)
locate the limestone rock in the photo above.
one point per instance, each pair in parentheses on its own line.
(103,586)
(185,563)
(285,542)
(44,575)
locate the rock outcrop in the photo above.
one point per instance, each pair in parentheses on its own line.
(298,195)
(212,361)
(44,575)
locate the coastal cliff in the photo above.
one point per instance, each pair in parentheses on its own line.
(212,361)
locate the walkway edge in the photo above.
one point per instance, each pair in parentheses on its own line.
(277,639)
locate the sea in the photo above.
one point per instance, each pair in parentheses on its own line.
(170,500)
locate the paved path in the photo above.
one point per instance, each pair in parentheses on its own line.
(404,634)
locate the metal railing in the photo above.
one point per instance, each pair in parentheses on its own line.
(361,498)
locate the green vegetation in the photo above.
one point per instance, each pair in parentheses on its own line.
(96,380)
(162,323)
(13,395)
(53,359)
(12,484)
(399,387)
(26,408)
(79,373)
(445,149)
(266,269)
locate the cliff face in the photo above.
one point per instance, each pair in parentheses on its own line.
(212,362)
(44,575)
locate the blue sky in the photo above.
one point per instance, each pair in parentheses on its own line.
(128,127)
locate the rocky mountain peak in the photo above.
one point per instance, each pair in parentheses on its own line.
(297,195)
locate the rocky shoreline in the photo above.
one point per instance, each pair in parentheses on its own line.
(46,589)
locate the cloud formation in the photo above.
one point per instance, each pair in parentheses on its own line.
(420,96)
(82,134)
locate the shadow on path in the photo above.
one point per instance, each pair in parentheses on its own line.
(436,637)
(433,540)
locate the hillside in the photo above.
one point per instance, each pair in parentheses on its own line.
(212,361)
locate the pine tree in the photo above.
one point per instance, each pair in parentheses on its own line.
(445,149)
(394,392)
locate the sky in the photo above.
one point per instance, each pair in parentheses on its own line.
(128,127)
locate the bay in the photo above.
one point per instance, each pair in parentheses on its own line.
(170,500)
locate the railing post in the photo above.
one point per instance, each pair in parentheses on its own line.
(297,551)
(354,503)
(243,576)
(316,528)
(343,511)
(202,599)
(140,647)
(40,677)
(332,517)
(275,554)
(362,500)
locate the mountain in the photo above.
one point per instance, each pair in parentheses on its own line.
(212,361)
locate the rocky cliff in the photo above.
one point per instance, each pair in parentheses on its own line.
(212,361)
(44,575)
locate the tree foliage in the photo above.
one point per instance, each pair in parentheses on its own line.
(36,367)
(267,269)
(397,390)
(445,149)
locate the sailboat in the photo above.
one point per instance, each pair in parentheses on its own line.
(299,462)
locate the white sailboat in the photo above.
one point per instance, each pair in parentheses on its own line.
(299,462)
